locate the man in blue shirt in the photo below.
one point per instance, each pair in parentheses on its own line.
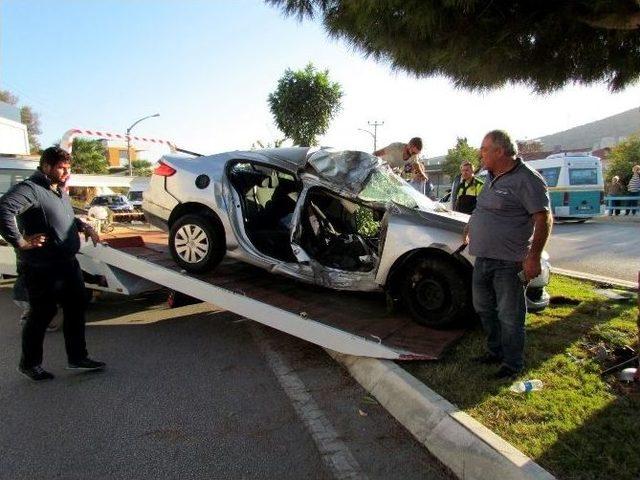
(37,219)
(507,233)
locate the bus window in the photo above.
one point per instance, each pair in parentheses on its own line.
(583,176)
(550,175)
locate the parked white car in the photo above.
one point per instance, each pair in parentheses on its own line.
(339,219)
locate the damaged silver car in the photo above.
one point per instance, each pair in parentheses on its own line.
(338,219)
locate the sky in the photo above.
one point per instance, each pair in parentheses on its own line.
(208,66)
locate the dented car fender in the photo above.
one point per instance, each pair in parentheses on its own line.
(411,230)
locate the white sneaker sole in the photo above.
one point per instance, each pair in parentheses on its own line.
(84,369)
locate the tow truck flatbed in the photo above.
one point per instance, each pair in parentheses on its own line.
(347,322)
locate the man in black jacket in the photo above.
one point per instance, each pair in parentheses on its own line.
(37,219)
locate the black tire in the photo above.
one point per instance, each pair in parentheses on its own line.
(437,293)
(177,299)
(196,243)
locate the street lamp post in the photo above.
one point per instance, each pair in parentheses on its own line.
(129,140)
(373,134)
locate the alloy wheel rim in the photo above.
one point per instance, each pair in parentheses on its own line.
(430,294)
(191,243)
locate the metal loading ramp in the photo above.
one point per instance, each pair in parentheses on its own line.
(352,323)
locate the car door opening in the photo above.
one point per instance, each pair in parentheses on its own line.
(339,233)
(268,199)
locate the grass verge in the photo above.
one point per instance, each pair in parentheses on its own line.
(580,425)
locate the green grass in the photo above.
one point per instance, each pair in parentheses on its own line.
(580,425)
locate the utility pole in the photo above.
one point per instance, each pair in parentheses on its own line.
(374,134)
(375,124)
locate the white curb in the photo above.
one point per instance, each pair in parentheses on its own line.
(469,449)
(616,282)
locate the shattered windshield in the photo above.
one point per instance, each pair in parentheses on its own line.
(384,186)
(348,169)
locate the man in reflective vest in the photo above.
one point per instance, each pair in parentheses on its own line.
(468,190)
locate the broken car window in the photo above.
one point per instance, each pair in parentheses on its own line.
(384,186)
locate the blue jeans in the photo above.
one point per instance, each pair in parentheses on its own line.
(499,300)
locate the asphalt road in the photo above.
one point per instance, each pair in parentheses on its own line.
(604,247)
(193,394)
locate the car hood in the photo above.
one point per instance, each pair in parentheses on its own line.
(438,218)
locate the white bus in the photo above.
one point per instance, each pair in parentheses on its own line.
(576,185)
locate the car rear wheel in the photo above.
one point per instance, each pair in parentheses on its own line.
(196,244)
(437,293)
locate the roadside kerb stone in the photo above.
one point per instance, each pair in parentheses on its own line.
(616,282)
(464,445)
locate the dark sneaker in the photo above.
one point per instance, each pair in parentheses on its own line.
(487,359)
(86,364)
(36,373)
(505,373)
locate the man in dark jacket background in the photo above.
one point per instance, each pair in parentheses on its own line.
(37,219)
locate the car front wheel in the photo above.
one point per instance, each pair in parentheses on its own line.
(437,293)
(196,244)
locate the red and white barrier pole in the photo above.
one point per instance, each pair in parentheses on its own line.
(67,139)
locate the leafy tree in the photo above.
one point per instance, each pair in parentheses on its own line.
(141,168)
(8,97)
(529,146)
(32,120)
(303,104)
(88,156)
(458,154)
(622,158)
(28,117)
(481,44)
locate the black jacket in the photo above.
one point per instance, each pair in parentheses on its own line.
(32,206)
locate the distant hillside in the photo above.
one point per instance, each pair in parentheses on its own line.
(599,134)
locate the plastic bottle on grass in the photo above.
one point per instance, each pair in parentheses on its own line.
(526,386)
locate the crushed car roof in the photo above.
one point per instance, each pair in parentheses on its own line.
(348,168)
(297,156)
